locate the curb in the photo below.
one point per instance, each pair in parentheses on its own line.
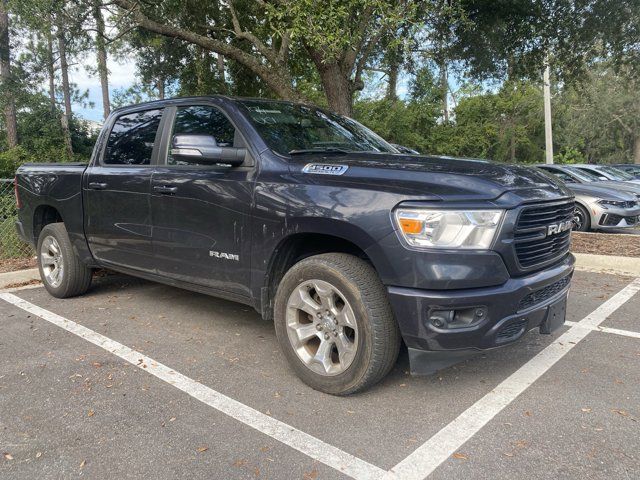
(608,264)
(21,276)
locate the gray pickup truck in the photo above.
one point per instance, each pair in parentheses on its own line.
(347,245)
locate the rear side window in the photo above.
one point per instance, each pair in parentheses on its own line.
(131,139)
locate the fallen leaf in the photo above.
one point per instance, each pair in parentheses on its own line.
(96,364)
(239,463)
(83,463)
(91,413)
(586,410)
(38,455)
(202,449)
(8,456)
(312,475)
(620,412)
(528,413)
(460,456)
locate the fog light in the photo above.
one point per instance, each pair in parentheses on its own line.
(458,318)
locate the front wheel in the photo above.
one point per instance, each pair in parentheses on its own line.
(61,271)
(335,325)
(581,219)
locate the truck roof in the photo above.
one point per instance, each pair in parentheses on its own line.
(229,98)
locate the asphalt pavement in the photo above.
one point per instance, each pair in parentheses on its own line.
(140,380)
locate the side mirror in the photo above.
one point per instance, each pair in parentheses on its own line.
(193,148)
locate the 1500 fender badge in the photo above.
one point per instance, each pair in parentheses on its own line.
(324,169)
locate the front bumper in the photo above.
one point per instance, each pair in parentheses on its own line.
(613,217)
(507,312)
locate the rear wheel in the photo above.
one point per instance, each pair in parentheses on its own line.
(335,325)
(61,271)
(581,219)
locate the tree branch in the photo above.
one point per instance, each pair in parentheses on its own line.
(274,75)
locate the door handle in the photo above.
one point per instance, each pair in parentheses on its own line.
(165,189)
(97,185)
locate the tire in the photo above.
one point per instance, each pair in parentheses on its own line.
(581,219)
(359,321)
(73,277)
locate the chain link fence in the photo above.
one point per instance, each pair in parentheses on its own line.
(10,244)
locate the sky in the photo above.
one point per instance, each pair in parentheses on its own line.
(121,75)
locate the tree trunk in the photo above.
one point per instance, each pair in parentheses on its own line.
(66,89)
(10,118)
(636,149)
(395,62)
(220,67)
(337,88)
(101,53)
(160,87)
(444,86)
(51,69)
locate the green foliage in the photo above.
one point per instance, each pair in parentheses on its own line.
(569,155)
(11,159)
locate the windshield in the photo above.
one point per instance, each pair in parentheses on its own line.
(290,128)
(583,175)
(615,173)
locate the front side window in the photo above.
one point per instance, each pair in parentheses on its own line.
(202,120)
(291,128)
(131,139)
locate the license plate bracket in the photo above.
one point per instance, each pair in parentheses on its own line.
(556,313)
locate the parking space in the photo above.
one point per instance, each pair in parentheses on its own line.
(71,407)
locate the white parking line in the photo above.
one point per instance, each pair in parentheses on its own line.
(426,458)
(294,438)
(615,331)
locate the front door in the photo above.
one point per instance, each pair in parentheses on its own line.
(201,212)
(117,193)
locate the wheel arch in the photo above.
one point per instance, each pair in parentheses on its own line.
(44,215)
(296,247)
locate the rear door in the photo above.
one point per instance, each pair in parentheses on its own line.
(117,192)
(201,212)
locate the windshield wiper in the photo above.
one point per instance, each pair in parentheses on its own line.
(319,150)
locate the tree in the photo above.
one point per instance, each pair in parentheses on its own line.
(101,55)
(511,39)
(337,37)
(10,119)
(601,115)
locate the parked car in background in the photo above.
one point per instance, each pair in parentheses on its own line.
(599,207)
(573,174)
(607,172)
(630,168)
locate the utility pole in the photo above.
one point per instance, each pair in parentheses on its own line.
(548,133)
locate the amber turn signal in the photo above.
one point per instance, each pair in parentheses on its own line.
(410,225)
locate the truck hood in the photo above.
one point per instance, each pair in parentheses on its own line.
(441,178)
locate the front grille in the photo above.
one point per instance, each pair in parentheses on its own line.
(533,245)
(511,331)
(545,293)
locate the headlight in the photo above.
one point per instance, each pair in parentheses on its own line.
(472,229)
(612,203)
